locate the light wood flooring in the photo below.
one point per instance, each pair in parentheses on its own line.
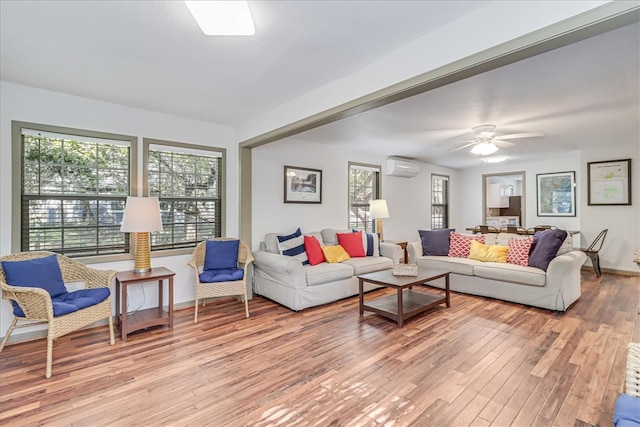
(481,362)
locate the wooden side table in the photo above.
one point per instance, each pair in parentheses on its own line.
(144,318)
(403,246)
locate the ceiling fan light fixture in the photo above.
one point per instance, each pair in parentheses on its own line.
(223,18)
(484,148)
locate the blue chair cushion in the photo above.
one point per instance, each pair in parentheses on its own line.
(41,273)
(221,275)
(221,254)
(72,301)
(626,411)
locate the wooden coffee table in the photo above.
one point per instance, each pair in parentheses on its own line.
(407,302)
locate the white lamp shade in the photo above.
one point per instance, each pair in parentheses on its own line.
(141,214)
(378,209)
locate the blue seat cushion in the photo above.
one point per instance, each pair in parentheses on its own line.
(221,275)
(72,301)
(221,254)
(627,411)
(41,273)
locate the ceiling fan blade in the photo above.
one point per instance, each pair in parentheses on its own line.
(519,135)
(503,144)
(465,146)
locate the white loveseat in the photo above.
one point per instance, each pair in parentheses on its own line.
(555,289)
(285,280)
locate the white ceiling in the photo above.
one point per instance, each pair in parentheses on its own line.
(152,55)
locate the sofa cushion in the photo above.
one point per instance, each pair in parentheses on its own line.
(330,236)
(454,265)
(519,251)
(460,244)
(545,247)
(511,273)
(41,272)
(369,264)
(326,272)
(221,254)
(70,302)
(314,250)
(293,245)
(335,254)
(352,243)
(503,238)
(481,252)
(435,242)
(626,411)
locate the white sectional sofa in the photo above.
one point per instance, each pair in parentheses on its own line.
(285,280)
(555,289)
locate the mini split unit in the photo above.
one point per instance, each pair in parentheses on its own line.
(402,167)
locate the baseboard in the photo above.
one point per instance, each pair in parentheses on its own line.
(613,271)
(16,337)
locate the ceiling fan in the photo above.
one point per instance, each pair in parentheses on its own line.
(486,141)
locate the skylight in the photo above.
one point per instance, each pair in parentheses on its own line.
(223,18)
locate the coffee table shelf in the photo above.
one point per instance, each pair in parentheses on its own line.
(407,302)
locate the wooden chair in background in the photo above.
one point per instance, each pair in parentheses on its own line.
(484,229)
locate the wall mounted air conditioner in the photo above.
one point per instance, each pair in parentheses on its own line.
(402,167)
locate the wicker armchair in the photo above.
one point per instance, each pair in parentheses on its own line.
(38,308)
(220,289)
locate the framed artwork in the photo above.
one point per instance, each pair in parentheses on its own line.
(609,183)
(302,185)
(557,194)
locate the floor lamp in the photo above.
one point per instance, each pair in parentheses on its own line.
(141,216)
(379,210)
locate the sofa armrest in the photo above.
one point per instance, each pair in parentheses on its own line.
(563,267)
(390,250)
(415,251)
(283,269)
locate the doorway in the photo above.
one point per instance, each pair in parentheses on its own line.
(503,199)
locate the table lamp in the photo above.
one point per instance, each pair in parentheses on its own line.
(379,210)
(141,216)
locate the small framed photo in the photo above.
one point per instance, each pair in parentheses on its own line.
(609,183)
(302,185)
(556,194)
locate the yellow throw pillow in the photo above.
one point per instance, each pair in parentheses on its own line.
(335,253)
(481,252)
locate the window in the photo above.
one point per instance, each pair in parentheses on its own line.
(187,179)
(439,201)
(73,185)
(364,186)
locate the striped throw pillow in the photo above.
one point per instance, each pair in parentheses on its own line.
(293,245)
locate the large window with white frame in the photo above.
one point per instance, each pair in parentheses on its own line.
(188,180)
(364,186)
(439,201)
(70,186)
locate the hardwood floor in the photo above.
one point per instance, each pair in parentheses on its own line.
(481,362)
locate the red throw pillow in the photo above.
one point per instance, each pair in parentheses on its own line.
(314,250)
(518,252)
(460,244)
(352,243)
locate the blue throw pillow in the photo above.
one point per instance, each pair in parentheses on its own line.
(627,411)
(41,273)
(293,245)
(435,242)
(221,254)
(545,247)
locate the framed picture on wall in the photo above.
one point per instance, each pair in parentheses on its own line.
(556,194)
(302,185)
(609,183)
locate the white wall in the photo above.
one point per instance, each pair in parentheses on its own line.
(408,199)
(623,222)
(29,104)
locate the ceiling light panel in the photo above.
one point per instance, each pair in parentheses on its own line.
(222,18)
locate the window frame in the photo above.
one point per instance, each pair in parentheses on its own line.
(377,189)
(146,143)
(17,177)
(446,198)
